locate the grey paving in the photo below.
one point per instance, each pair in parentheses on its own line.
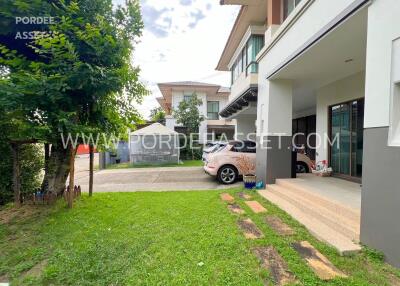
(151,179)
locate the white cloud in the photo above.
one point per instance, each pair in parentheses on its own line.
(182,40)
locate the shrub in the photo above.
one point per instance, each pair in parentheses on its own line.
(31,170)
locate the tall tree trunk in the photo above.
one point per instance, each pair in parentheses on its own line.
(71,178)
(91,159)
(58,169)
(45,182)
(15,152)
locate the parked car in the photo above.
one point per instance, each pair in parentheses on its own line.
(223,164)
(211,147)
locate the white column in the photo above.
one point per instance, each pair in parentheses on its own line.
(274,130)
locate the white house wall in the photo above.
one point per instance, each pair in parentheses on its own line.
(382,31)
(347,89)
(241,84)
(245,125)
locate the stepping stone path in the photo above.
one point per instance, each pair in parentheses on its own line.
(274,263)
(245,196)
(251,231)
(227,198)
(321,266)
(279,226)
(256,207)
(236,209)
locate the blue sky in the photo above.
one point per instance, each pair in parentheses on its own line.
(182,40)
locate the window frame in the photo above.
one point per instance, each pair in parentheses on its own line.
(244,60)
(187,97)
(286,14)
(209,112)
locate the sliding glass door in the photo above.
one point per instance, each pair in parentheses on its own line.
(346,132)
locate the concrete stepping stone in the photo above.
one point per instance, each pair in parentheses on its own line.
(279,226)
(276,265)
(256,207)
(321,266)
(235,208)
(245,196)
(227,198)
(251,231)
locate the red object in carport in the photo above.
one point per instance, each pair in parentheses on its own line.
(84,149)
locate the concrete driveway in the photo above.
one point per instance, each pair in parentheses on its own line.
(151,179)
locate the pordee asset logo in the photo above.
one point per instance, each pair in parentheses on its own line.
(32,35)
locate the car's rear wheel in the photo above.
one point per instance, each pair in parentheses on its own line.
(227,175)
(302,168)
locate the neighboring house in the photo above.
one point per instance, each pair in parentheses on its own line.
(330,67)
(214,99)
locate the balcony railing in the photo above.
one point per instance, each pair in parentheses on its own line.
(252,67)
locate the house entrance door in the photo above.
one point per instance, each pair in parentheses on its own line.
(346,131)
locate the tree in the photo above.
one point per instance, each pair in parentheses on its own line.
(189,116)
(30,166)
(69,83)
(157,114)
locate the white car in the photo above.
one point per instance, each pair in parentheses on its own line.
(224,166)
(212,147)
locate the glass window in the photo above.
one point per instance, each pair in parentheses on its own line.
(288,7)
(187,97)
(240,64)
(254,46)
(213,110)
(246,61)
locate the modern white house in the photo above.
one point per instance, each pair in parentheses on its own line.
(214,99)
(331,68)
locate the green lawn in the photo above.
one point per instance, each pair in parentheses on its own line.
(174,238)
(187,163)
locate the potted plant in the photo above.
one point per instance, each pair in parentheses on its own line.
(247,168)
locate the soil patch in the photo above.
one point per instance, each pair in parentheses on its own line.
(235,209)
(36,270)
(279,226)
(394,280)
(251,231)
(321,266)
(274,263)
(4,279)
(26,211)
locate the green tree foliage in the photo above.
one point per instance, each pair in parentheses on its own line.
(188,114)
(78,79)
(157,114)
(31,167)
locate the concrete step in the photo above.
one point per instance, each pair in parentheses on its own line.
(347,227)
(319,229)
(338,208)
